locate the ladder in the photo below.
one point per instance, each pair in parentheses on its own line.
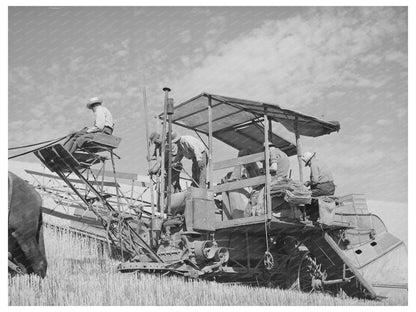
(120,230)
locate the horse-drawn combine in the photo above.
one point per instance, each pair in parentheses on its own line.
(250,228)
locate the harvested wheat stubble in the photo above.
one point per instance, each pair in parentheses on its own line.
(81,273)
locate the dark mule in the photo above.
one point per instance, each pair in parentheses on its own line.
(26,245)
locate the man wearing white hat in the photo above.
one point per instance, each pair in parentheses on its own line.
(322,181)
(103,123)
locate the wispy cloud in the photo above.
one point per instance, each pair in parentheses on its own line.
(346,64)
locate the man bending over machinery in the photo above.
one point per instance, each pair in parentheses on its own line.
(156,140)
(192,148)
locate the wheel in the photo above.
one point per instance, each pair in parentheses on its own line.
(309,275)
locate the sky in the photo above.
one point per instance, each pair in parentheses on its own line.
(345,64)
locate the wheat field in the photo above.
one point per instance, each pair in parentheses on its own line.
(81,273)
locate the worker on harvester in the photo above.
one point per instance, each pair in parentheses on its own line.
(279,162)
(156,140)
(321,180)
(103,123)
(192,148)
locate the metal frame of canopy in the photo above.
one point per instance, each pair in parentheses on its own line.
(227,114)
(215,115)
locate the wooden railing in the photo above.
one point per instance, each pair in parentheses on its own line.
(234,185)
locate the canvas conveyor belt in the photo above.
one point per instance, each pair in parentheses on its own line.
(57,159)
(329,255)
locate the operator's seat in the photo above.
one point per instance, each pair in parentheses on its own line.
(101,142)
(57,158)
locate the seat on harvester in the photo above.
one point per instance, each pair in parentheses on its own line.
(101,142)
(56,157)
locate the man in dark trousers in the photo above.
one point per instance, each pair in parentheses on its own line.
(321,180)
(192,148)
(155,139)
(103,123)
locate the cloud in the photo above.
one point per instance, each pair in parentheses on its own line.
(346,64)
(383,122)
(294,61)
(184,36)
(398,57)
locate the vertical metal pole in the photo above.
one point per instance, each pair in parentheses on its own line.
(210,173)
(152,200)
(268,205)
(170,109)
(248,251)
(299,150)
(158,152)
(119,222)
(162,167)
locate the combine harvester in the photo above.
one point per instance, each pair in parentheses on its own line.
(250,228)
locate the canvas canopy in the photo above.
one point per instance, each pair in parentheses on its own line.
(239,123)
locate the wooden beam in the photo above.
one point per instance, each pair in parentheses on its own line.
(238,184)
(105,183)
(268,205)
(170,111)
(298,150)
(238,161)
(163,153)
(119,175)
(69,217)
(242,222)
(210,172)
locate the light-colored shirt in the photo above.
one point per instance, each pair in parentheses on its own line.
(320,173)
(158,151)
(190,147)
(280,157)
(103,118)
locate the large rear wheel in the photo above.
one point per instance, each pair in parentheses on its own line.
(309,275)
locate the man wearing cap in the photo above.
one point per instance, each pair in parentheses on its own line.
(279,162)
(321,180)
(155,139)
(192,148)
(103,123)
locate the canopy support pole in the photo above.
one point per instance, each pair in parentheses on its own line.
(298,150)
(152,200)
(268,211)
(169,150)
(163,147)
(210,173)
